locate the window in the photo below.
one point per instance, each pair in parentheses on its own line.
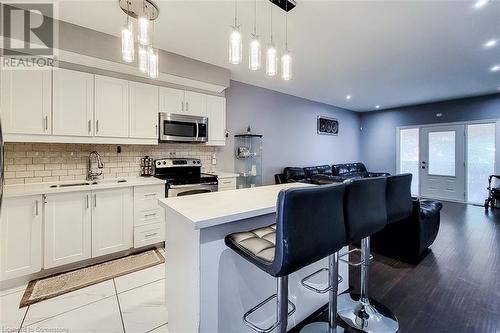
(480,160)
(442,153)
(409,155)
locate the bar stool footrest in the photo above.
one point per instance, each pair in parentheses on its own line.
(350,263)
(258,306)
(316,290)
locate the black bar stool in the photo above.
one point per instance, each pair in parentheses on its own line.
(308,228)
(365,214)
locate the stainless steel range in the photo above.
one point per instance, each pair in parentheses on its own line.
(184,177)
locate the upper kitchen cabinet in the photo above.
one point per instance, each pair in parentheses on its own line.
(215,110)
(21,236)
(26,101)
(171,100)
(111,107)
(194,103)
(143,110)
(73,97)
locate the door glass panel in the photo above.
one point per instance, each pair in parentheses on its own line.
(408,155)
(480,160)
(442,153)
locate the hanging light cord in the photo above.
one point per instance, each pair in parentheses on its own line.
(235,13)
(255,17)
(286,26)
(271,23)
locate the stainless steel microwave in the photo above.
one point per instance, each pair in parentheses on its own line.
(182,128)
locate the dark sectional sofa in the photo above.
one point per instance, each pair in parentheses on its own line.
(407,240)
(325,174)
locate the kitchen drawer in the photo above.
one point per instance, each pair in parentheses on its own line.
(148,234)
(227,184)
(146,197)
(149,216)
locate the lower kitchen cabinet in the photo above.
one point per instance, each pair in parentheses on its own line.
(112,220)
(20,236)
(68,219)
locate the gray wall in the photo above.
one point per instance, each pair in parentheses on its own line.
(378,137)
(288,124)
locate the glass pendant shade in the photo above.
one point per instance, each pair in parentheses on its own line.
(143,33)
(127,43)
(153,62)
(286,66)
(235,46)
(143,58)
(254,54)
(271,61)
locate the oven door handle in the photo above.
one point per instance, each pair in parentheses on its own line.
(191,185)
(197,129)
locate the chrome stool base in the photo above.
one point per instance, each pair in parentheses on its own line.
(320,327)
(370,317)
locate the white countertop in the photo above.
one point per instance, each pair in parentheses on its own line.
(210,209)
(223,174)
(44,188)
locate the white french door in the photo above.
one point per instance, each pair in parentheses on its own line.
(442,162)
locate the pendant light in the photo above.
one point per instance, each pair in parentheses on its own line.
(152,60)
(271,54)
(143,23)
(128,40)
(235,42)
(286,58)
(143,58)
(254,53)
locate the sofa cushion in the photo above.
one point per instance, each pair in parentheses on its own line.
(294,174)
(340,169)
(310,171)
(324,169)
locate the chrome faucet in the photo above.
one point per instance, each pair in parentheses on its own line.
(91,175)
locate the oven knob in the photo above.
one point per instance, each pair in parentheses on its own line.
(198,162)
(158,163)
(164,162)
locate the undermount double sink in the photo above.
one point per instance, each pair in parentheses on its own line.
(87,183)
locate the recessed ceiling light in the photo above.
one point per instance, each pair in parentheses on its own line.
(495,68)
(348,97)
(490,43)
(480,3)
(377,106)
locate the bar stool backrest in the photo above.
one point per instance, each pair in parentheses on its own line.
(309,226)
(399,202)
(364,208)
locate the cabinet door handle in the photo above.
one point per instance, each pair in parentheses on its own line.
(156,130)
(97,126)
(90,126)
(36,208)
(87,201)
(187,106)
(182,106)
(46,122)
(95,200)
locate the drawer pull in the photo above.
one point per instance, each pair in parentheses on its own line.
(150,195)
(150,235)
(152,214)
(227,182)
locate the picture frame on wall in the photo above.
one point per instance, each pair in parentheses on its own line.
(327,126)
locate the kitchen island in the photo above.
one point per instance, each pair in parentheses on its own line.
(208,287)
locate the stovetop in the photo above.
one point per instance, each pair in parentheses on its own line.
(180,171)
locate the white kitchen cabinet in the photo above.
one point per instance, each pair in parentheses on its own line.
(143,110)
(73,96)
(215,110)
(67,219)
(171,100)
(112,220)
(21,236)
(25,101)
(149,216)
(111,107)
(194,103)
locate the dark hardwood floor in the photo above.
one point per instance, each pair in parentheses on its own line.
(456,288)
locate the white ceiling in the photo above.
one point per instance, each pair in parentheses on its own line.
(387,53)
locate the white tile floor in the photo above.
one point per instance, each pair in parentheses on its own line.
(132,303)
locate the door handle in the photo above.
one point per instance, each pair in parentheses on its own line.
(46,122)
(182,106)
(90,126)
(197,129)
(97,126)
(95,200)
(187,106)
(36,208)
(87,201)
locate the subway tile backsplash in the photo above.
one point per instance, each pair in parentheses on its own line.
(47,162)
